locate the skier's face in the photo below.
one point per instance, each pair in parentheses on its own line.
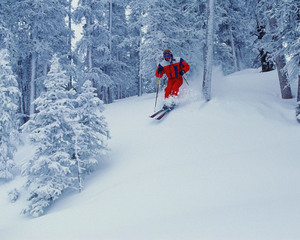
(167,56)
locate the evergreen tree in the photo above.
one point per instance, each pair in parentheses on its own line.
(69,134)
(9,100)
(93,48)
(37,31)
(105,48)
(49,172)
(233,45)
(90,131)
(193,31)
(135,32)
(119,67)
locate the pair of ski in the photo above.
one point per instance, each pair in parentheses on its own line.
(162,113)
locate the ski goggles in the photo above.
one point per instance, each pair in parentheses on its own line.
(167,55)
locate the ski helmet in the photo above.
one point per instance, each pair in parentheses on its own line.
(167,51)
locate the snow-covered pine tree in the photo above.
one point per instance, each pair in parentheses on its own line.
(192,24)
(37,31)
(233,45)
(90,131)
(49,172)
(69,133)
(9,124)
(119,68)
(135,27)
(93,48)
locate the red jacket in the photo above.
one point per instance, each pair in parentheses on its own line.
(172,68)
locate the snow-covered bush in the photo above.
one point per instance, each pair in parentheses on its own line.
(13,195)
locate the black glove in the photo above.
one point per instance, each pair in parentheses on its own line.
(181,72)
(160,69)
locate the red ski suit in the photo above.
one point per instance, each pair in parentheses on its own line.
(171,69)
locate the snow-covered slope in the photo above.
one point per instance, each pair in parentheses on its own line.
(228,169)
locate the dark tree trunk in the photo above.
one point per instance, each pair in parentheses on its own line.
(208,58)
(280,61)
(285,87)
(298,101)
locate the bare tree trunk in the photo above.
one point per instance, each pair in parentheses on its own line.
(119,91)
(140,92)
(22,89)
(208,60)
(285,87)
(298,101)
(89,53)
(78,165)
(298,93)
(110,25)
(109,95)
(89,59)
(70,41)
(26,76)
(105,98)
(280,61)
(32,83)
(235,62)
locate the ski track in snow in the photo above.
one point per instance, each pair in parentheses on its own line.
(224,170)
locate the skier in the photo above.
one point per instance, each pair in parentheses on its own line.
(174,68)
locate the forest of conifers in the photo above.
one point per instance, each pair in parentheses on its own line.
(52,83)
(122,40)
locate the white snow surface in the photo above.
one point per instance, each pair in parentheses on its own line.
(228,169)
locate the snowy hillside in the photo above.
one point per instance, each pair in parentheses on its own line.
(228,169)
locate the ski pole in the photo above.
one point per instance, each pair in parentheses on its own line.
(186,81)
(156,93)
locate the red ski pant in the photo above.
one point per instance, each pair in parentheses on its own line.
(173,87)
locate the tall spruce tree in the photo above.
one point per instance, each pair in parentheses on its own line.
(194,19)
(233,45)
(134,13)
(119,67)
(93,48)
(38,30)
(90,132)
(49,172)
(9,119)
(69,133)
